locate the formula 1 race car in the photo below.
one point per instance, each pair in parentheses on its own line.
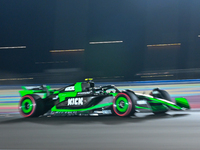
(84,99)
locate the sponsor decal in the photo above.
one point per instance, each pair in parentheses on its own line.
(70,88)
(141,102)
(75,101)
(84,93)
(72,113)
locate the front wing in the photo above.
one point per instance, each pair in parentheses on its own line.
(149,103)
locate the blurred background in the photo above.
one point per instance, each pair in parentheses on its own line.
(64,41)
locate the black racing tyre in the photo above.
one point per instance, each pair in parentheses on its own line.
(123,105)
(158,93)
(31,105)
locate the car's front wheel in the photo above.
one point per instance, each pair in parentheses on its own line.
(123,105)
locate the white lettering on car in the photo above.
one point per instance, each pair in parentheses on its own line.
(75,101)
(84,93)
(141,102)
(70,88)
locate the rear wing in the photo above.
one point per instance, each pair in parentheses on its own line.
(46,90)
(41,87)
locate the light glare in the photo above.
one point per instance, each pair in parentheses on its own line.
(13,47)
(70,50)
(105,42)
(163,45)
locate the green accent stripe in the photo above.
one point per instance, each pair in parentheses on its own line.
(165,102)
(138,107)
(182,102)
(83,109)
(63,96)
(113,94)
(78,87)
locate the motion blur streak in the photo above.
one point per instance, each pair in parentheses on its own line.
(105,42)
(70,50)
(157,45)
(13,47)
(9,79)
(9,99)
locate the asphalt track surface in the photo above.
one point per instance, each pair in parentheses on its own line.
(145,131)
(177,130)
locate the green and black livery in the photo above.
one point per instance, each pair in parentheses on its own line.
(84,99)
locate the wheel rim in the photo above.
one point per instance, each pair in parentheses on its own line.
(27,106)
(122,104)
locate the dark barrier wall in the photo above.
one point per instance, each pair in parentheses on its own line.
(151,36)
(26,23)
(116,21)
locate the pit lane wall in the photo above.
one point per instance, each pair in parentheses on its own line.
(190,89)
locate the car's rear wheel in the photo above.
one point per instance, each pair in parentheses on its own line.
(31,106)
(123,105)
